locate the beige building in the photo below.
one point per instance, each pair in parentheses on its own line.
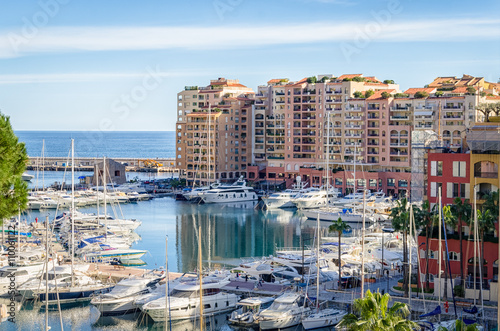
(214,130)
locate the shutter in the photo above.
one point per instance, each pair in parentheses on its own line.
(449,189)
(456,169)
(433,168)
(433,189)
(467,191)
(463,168)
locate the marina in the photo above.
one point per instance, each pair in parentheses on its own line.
(111,268)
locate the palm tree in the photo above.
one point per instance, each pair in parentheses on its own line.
(339,226)
(372,313)
(485,223)
(424,219)
(449,220)
(400,222)
(461,210)
(460,326)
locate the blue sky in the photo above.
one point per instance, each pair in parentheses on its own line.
(117,65)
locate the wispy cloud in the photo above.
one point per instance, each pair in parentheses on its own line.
(92,39)
(86,77)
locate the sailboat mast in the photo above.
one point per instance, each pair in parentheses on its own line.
(43,165)
(317,267)
(409,253)
(327,157)
(439,250)
(200,278)
(475,247)
(72,211)
(105,192)
(166,287)
(363,247)
(209,123)
(47,273)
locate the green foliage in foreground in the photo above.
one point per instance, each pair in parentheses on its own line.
(13,158)
(372,313)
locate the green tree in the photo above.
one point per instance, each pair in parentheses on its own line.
(358,95)
(369,93)
(358,79)
(461,210)
(421,95)
(471,90)
(389,81)
(385,95)
(401,95)
(13,158)
(425,218)
(372,313)
(439,94)
(312,80)
(460,326)
(485,223)
(451,221)
(486,109)
(324,79)
(339,226)
(400,216)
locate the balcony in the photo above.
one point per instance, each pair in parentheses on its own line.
(399,108)
(358,135)
(400,118)
(480,174)
(354,118)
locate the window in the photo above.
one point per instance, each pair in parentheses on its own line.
(373,182)
(117,173)
(459,169)
(439,169)
(403,183)
(434,189)
(362,182)
(454,256)
(338,181)
(350,181)
(391,182)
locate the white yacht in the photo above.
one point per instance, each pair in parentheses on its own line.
(284,199)
(333,214)
(353,198)
(316,199)
(323,318)
(27,177)
(286,311)
(21,274)
(120,300)
(245,315)
(236,192)
(184,300)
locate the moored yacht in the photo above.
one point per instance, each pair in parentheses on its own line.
(316,199)
(323,318)
(120,300)
(236,192)
(245,316)
(184,301)
(286,311)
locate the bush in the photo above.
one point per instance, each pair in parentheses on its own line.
(389,81)
(459,291)
(369,93)
(439,94)
(324,79)
(471,90)
(358,79)
(385,95)
(401,95)
(358,95)
(312,80)
(421,94)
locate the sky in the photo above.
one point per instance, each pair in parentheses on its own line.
(118,64)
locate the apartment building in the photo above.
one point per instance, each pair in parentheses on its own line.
(214,131)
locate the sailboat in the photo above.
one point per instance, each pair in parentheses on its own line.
(321,317)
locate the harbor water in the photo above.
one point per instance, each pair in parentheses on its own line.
(229,232)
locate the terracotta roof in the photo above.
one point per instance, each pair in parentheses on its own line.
(277,80)
(461,89)
(492,97)
(342,77)
(414,90)
(373,78)
(378,94)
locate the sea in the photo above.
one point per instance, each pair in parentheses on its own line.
(229,234)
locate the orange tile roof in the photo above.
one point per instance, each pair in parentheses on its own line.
(342,77)
(414,90)
(378,94)
(492,97)
(461,89)
(277,80)
(373,78)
